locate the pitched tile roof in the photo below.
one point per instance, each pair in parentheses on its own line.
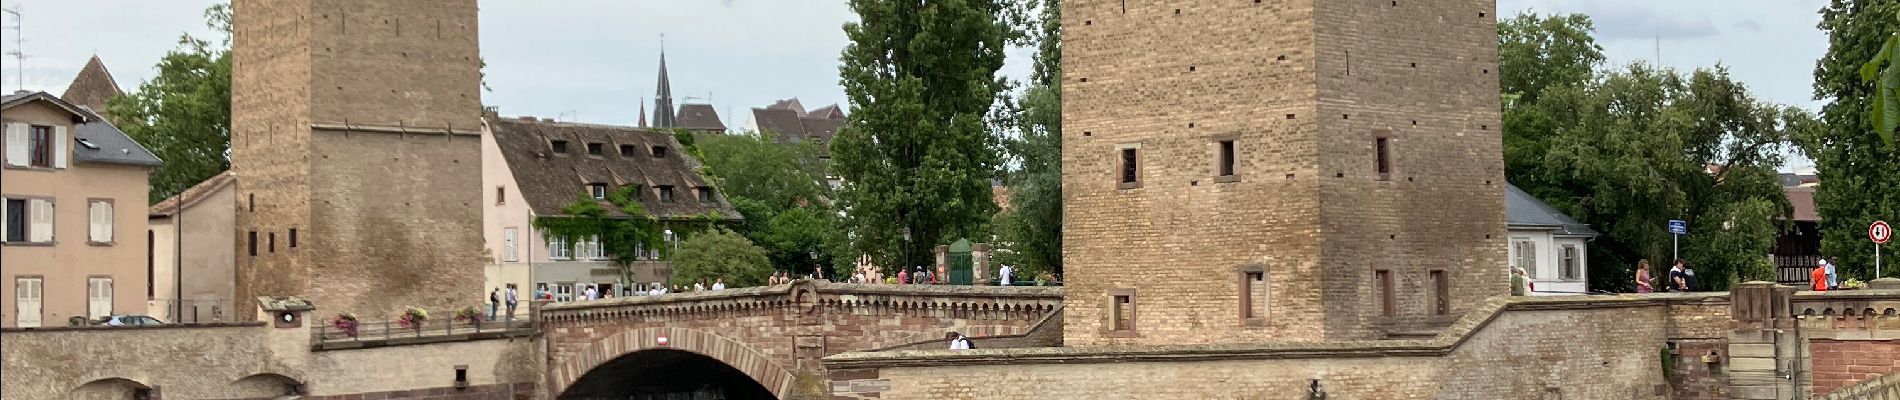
(1523,211)
(827,112)
(788,104)
(94,139)
(820,129)
(93,86)
(778,122)
(700,117)
(196,193)
(550,181)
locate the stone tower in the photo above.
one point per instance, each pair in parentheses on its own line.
(1288,170)
(356,143)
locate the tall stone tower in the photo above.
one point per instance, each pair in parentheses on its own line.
(1287,170)
(356,143)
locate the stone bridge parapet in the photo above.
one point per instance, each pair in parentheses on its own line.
(774,333)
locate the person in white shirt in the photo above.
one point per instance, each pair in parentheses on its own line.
(957,341)
(590,294)
(656,290)
(699,286)
(719,284)
(1004,274)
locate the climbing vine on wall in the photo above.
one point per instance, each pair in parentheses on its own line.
(620,237)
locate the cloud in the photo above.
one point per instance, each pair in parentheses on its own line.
(1748,25)
(1637,23)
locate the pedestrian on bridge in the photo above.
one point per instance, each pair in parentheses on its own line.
(511,298)
(494,302)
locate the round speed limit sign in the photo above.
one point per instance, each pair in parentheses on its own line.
(1880,232)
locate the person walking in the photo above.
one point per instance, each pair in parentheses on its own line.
(1676,283)
(494,302)
(1004,273)
(957,341)
(1817,279)
(510,297)
(1643,278)
(903,276)
(719,284)
(700,286)
(1834,281)
(590,293)
(1689,283)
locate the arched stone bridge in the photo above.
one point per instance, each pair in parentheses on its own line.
(766,341)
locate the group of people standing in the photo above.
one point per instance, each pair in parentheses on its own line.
(497,297)
(1681,278)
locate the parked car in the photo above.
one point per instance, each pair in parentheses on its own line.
(116,320)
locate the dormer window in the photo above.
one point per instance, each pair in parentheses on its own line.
(598,190)
(659,151)
(666,193)
(560,146)
(628,150)
(705,194)
(594,149)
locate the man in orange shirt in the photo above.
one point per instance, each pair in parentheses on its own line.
(1818,279)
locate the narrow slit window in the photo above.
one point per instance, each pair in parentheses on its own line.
(1227,161)
(1253,295)
(253,243)
(293,238)
(1124,314)
(1383,147)
(1387,299)
(1128,168)
(1441,293)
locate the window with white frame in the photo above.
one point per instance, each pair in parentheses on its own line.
(1570,263)
(27,220)
(558,248)
(1526,257)
(589,249)
(564,291)
(100,215)
(508,244)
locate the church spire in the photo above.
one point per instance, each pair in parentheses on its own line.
(663,98)
(643,112)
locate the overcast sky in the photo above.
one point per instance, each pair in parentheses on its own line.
(596,60)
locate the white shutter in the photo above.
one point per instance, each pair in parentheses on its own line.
(100,290)
(101,221)
(508,248)
(27,293)
(3,220)
(59,146)
(92,221)
(42,216)
(16,145)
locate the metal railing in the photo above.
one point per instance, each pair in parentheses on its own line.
(393,327)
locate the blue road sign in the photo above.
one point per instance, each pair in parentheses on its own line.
(1678,227)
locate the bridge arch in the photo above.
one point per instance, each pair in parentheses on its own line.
(774,378)
(111,389)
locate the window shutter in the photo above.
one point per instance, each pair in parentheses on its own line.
(42,216)
(16,145)
(92,222)
(59,146)
(3,219)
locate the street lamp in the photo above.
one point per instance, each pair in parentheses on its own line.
(668,236)
(906,264)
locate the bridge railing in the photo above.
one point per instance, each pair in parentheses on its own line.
(384,328)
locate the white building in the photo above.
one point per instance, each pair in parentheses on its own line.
(1550,246)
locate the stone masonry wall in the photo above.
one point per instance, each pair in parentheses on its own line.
(1839,364)
(356,123)
(788,326)
(1172,80)
(1530,350)
(1300,88)
(1424,75)
(183,362)
(270,144)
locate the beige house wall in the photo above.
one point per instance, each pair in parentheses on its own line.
(209,260)
(67,263)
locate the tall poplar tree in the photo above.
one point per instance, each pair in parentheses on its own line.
(1859,179)
(1032,227)
(915,154)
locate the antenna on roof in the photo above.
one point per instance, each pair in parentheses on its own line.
(19,55)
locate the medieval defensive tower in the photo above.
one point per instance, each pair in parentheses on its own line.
(1306,170)
(355,138)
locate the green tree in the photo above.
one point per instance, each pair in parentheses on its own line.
(1859,183)
(183,114)
(1637,147)
(1032,227)
(721,254)
(780,175)
(915,154)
